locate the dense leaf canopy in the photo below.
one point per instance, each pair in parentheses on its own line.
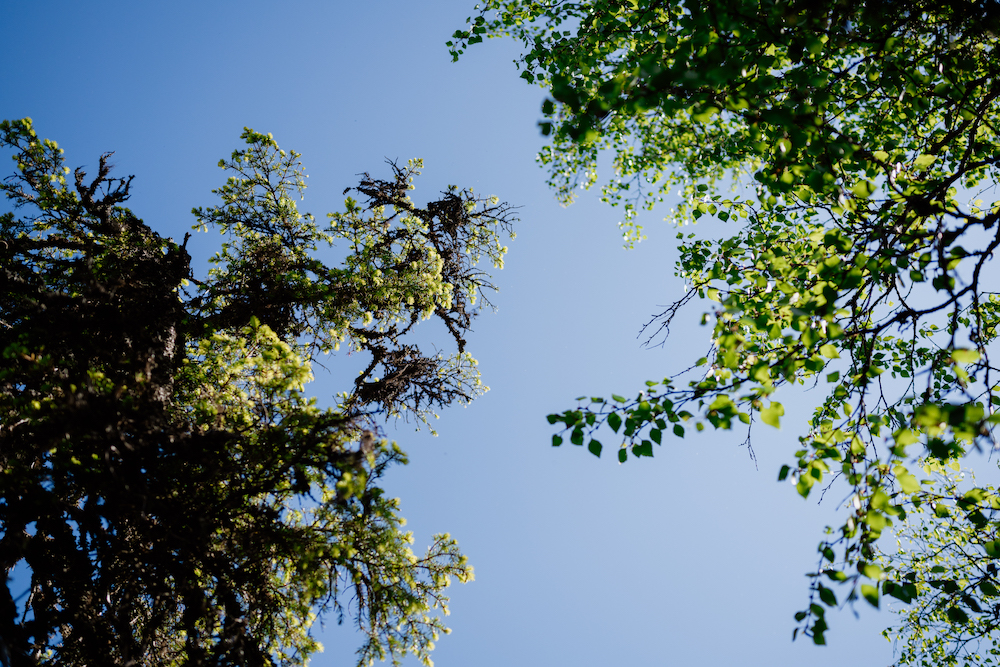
(851,149)
(170,492)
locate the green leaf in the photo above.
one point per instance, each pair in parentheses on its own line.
(904,592)
(908,483)
(614,421)
(645,448)
(863,189)
(905,436)
(678,430)
(972,603)
(556,441)
(771,415)
(595,447)
(964,356)
(879,500)
(957,615)
(829,351)
(870,593)
(704,114)
(992,548)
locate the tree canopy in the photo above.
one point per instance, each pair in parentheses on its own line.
(171,492)
(850,147)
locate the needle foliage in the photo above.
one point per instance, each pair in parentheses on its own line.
(170,493)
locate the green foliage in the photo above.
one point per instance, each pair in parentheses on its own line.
(859,141)
(171,489)
(944,568)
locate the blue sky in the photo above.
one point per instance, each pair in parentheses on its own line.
(694,557)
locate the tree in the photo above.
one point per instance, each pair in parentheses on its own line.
(171,489)
(850,145)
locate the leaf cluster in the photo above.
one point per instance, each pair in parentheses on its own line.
(860,138)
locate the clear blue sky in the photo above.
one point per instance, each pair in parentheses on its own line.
(695,557)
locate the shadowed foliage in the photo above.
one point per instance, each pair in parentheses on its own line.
(170,494)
